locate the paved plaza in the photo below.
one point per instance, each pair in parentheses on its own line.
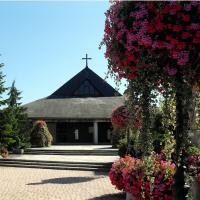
(48,184)
(45,184)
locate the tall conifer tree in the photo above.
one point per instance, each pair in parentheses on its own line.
(2,102)
(16,119)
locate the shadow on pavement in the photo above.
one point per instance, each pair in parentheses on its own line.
(118,196)
(99,173)
(65,180)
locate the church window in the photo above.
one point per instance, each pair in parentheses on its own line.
(86,90)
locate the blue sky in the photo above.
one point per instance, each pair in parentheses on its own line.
(42,43)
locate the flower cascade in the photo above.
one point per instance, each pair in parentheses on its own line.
(170,30)
(121,118)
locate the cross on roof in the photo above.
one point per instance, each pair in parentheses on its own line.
(86,58)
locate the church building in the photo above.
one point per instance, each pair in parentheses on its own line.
(80,110)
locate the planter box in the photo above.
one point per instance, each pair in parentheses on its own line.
(18,151)
(129,196)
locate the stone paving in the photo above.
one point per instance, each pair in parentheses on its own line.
(45,184)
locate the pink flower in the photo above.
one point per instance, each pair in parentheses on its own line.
(187,7)
(171,71)
(146,41)
(175,54)
(183,58)
(158,44)
(195,26)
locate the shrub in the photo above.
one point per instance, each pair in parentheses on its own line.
(4,152)
(40,135)
(193,162)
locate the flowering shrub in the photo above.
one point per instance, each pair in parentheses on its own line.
(121,118)
(150,177)
(4,152)
(40,135)
(193,162)
(115,173)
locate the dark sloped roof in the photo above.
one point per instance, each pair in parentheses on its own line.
(74,108)
(70,88)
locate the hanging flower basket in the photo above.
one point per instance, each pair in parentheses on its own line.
(121,118)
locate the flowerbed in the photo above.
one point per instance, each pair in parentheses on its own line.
(149,178)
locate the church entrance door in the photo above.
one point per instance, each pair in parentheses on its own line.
(74,132)
(104,132)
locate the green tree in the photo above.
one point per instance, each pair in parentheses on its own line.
(2,103)
(2,88)
(16,124)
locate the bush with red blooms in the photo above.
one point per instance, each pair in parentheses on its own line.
(40,124)
(193,162)
(40,135)
(122,118)
(168,30)
(115,173)
(144,179)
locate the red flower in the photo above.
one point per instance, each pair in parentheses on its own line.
(181,45)
(186,35)
(197,34)
(168,38)
(160,26)
(177,28)
(132,68)
(166,9)
(150,28)
(174,41)
(177,7)
(186,18)
(160,44)
(131,76)
(130,57)
(196,41)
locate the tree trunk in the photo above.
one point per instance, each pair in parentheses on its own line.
(145,137)
(182,126)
